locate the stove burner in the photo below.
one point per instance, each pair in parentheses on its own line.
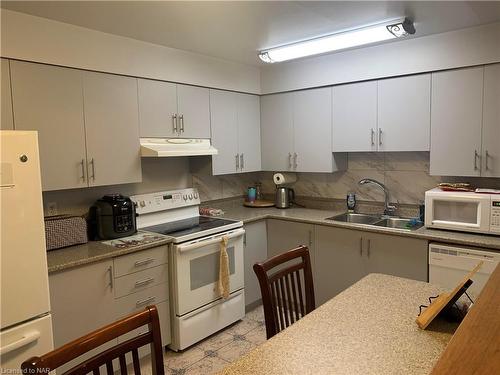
(185,227)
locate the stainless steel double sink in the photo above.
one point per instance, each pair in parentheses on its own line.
(379,221)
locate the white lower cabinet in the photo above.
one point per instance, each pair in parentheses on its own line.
(285,235)
(94,296)
(255,251)
(344,256)
(81,301)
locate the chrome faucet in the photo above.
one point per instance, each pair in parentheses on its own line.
(388,208)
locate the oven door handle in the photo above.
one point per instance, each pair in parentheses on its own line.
(211,241)
(213,304)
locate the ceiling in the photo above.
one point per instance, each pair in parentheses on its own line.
(237,30)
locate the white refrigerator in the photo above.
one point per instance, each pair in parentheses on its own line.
(26,325)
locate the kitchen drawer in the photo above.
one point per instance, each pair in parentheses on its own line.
(141,280)
(140,260)
(137,301)
(164,317)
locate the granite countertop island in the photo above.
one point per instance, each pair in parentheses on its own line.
(367,329)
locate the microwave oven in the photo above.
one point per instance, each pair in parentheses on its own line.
(462,211)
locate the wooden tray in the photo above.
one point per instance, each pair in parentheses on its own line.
(258,204)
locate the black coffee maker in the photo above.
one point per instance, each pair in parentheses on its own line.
(112,216)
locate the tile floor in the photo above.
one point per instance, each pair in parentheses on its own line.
(218,350)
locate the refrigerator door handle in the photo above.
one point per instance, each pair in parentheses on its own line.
(23,341)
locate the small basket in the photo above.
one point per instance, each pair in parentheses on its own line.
(65,230)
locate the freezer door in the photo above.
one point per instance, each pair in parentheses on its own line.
(24,341)
(23,257)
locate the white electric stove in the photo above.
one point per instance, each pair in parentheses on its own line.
(197,309)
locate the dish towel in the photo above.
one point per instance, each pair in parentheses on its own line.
(223,269)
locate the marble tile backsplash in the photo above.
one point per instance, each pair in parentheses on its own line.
(406,174)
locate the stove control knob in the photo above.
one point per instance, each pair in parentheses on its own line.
(142,204)
(190,196)
(185,197)
(195,195)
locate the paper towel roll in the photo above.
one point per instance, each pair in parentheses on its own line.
(284,178)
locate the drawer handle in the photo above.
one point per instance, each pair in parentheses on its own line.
(144,282)
(145,301)
(143,262)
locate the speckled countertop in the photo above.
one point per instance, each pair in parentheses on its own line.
(316,216)
(91,252)
(367,329)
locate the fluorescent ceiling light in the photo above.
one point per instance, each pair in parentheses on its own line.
(339,41)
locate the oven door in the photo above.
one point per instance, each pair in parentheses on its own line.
(457,211)
(196,270)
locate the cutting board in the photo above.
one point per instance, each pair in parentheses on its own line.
(258,204)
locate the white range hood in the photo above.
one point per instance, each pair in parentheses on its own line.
(165,147)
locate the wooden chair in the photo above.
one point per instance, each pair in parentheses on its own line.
(282,292)
(74,349)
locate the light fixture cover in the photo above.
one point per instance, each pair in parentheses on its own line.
(339,41)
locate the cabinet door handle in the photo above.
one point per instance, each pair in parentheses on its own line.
(294,160)
(144,282)
(237,161)
(82,163)
(486,156)
(380,137)
(93,168)
(143,262)
(476,155)
(242,162)
(174,122)
(110,270)
(289,161)
(181,119)
(360,246)
(369,246)
(373,137)
(145,301)
(310,238)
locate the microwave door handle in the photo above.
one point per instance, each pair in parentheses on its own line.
(202,243)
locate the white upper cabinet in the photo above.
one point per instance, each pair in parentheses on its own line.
(112,129)
(249,132)
(404,113)
(491,122)
(173,110)
(193,105)
(277,132)
(224,122)
(296,132)
(49,99)
(7,121)
(157,108)
(312,130)
(235,124)
(456,122)
(355,117)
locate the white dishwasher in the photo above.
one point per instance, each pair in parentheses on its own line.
(448,264)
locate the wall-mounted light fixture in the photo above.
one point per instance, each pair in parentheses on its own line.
(343,40)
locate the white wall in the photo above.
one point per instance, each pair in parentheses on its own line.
(472,46)
(39,39)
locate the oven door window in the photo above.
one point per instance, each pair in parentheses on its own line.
(205,270)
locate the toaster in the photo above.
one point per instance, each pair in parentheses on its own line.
(112,216)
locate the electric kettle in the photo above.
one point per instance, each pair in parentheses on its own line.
(284,197)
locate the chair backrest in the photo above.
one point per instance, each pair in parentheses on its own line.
(286,294)
(74,349)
